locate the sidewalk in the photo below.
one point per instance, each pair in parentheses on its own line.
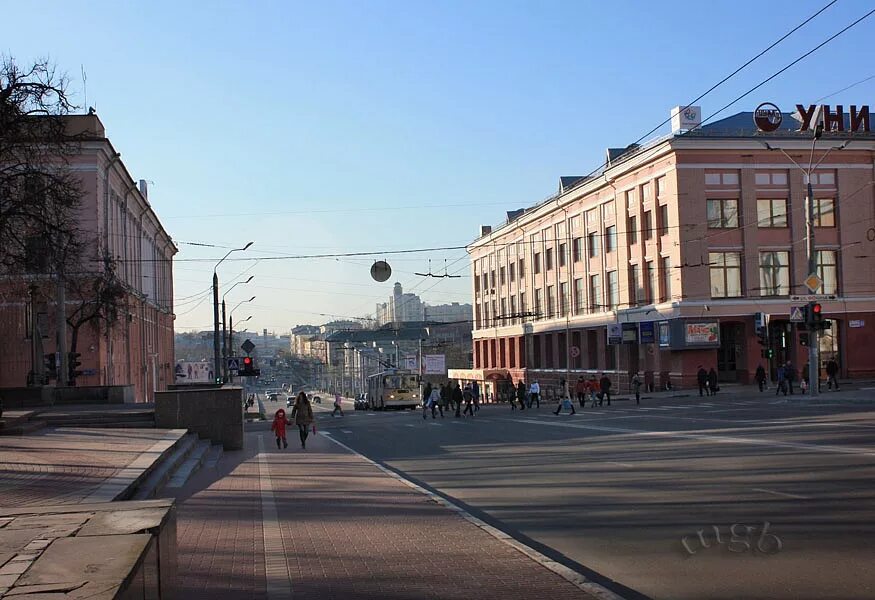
(325,523)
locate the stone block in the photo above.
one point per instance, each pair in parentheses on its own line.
(214,414)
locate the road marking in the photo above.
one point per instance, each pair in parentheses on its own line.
(794,496)
(276,565)
(570,575)
(721,439)
(371,414)
(436,424)
(409,425)
(620,464)
(346,431)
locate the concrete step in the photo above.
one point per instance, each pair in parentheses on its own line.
(191,464)
(165,467)
(214,456)
(22,428)
(140,418)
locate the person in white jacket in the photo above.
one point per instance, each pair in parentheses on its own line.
(535,394)
(434,403)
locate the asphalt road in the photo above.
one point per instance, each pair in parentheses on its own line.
(624,491)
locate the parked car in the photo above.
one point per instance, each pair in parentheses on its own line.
(361,402)
(273,397)
(290,401)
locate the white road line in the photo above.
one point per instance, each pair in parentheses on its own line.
(795,496)
(409,425)
(570,575)
(371,414)
(436,424)
(720,439)
(276,565)
(620,464)
(346,431)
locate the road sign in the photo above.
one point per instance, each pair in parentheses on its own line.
(812,297)
(234,363)
(574,351)
(813,282)
(247,346)
(796,314)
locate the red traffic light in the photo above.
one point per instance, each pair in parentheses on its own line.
(816,309)
(247,361)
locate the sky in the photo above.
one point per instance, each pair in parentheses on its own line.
(359,127)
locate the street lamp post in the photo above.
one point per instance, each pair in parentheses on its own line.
(813,334)
(216,345)
(226,347)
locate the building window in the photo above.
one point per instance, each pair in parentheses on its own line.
(729,178)
(476,283)
(647,224)
(632,233)
(635,291)
(579,297)
(501,275)
(652,284)
(771,178)
(562,249)
(511,272)
(536,262)
(725,270)
(595,293)
(513,312)
(722,214)
(522,268)
(539,302)
(666,279)
(477,322)
(609,210)
(824,212)
(613,290)
(610,239)
(503,315)
(775,273)
(828,178)
(563,299)
(827,269)
(577,249)
(593,239)
(631,204)
(646,193)
(663,219)
(592,217)
(575,222)
(551,301)
(522,302)
(772,213)
(548,254)
(660,188)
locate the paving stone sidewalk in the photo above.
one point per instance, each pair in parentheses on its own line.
(58,466)
(325,523)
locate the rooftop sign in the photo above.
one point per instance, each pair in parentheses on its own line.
(768,117)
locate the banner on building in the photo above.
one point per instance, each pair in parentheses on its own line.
(647,334)
(434,364)
(409,362)
(615,333)
(702,333)
(664,334)
(194,372)
(630,333)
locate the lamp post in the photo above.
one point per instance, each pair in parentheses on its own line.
(216,349)
(225,346)
(231,323)
(814,335)
(231,331)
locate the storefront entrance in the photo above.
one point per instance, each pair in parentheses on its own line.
(730,355)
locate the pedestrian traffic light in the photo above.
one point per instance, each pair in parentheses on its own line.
(248,368)
(72,363)
(816,314)
(770,353)
(803,338)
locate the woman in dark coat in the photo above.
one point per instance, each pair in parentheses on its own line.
(302,413)
(712,381)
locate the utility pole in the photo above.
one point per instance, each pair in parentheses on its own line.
(216,358)
(225,346)
(813,332)
(61,320)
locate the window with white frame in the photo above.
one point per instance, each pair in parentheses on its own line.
(827,270)
(775,273)
(722,213)
(725,272)
(772,212)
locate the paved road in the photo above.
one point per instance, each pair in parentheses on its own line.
(624,490)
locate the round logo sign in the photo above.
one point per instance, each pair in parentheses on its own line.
(381,271)
(767,117)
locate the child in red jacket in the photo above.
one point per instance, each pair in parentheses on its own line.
(279,428)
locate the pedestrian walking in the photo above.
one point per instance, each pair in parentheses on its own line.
(702,379)
(338,406)
(636,387)
(713,387)
(475,392)
(521,394)
(426,393)
(781,377)
(302,413)
(760,377)
(457,397)
(790,376)
(535,394)
(564,403)
(279,428)
(435,401)
(445,396)
(604,389)
(592,388)
(832,372)
(468,397)
(580,391)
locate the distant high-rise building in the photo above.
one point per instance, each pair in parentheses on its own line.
(401,307)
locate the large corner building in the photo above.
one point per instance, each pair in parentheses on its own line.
(660,262)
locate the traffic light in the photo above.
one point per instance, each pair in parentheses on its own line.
(248,369)
(803,338)
(761,325)
(50,362)
(72,363)
(815,314)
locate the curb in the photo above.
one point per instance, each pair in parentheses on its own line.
(578,579)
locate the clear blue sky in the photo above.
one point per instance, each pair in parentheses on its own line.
(360,126)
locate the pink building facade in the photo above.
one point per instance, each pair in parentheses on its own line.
(660,263)
(115,213)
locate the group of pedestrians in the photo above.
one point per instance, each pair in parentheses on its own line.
(707,381)
(450,397)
